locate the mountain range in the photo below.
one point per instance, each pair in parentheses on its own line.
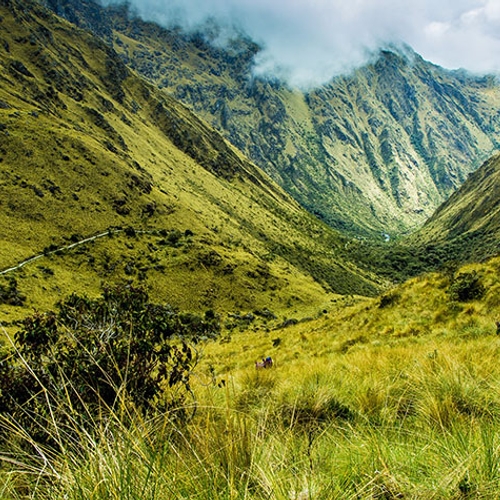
(135,152)
(168,220)
(88,148)
(375,151)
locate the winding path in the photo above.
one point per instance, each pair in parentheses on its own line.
(109,232)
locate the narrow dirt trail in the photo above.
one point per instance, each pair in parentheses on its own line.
(109,232)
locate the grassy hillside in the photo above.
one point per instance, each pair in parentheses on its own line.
(394,397)
(87,147)
(104,178)
(373,152)
(467,226)
(464,229)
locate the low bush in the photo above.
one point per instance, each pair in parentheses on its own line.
(466,286)
(9,293)
(115,353)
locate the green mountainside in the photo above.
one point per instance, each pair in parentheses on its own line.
(89,149)
(373,152)
(464,229)
(389,391)
(467,226)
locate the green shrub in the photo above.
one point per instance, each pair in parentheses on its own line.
(466,286)
(388,299)
(9,293)
(92,356)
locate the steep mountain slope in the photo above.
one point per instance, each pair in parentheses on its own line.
(467,226)
(88,148)
(464,229)
(375,151)
(412,130)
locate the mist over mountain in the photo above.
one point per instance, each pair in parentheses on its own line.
(307,43)
(107,178)
(374,151)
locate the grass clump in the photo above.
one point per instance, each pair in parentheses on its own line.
(10,294)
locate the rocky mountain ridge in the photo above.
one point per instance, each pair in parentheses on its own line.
(372,152)
(105,178)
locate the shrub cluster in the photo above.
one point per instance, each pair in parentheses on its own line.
(466,286)
(92,356)
(9,293)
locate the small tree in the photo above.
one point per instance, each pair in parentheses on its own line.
(93,356)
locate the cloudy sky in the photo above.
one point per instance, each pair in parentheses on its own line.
(311,40)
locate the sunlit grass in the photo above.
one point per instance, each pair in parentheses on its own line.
(392,397)
(349,410)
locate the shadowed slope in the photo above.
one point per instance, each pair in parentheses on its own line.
(467,226)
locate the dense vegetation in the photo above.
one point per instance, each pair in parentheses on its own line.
(392,397)
(95,356)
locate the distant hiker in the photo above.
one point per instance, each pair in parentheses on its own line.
(265,363)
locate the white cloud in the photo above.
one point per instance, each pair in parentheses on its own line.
(436,30)
(311,40)
(492,11)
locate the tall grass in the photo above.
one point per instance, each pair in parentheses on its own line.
(323,440)
(231,455)
(355,407)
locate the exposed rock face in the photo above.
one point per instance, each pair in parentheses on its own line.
(85,14)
